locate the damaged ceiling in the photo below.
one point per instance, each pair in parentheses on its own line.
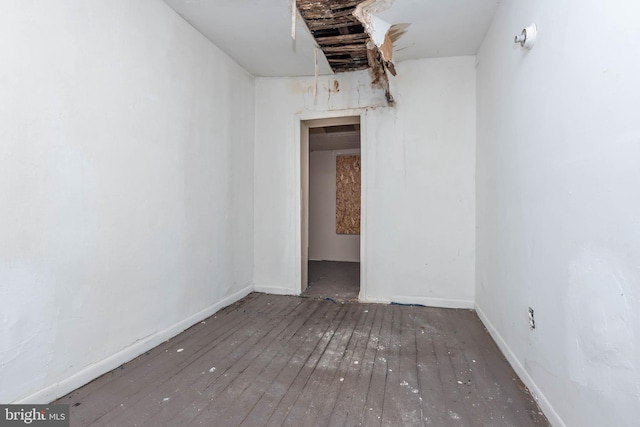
(337,31)
(256,33)
(352,37)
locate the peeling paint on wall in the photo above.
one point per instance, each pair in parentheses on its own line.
(380,45)
(382,33)
(376,28)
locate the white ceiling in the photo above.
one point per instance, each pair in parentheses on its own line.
(256,33)
(333,138)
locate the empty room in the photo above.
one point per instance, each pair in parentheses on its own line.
(319,212)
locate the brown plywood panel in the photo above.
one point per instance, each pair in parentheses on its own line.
(348,194)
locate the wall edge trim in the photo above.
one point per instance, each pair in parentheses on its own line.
(434,302)
(95,370)
(334,260)
(274,290)
(539,397)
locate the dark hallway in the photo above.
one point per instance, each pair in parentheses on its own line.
(333,279)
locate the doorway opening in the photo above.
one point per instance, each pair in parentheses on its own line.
(331,165)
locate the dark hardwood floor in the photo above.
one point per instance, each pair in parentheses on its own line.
(334,279)
(276,360)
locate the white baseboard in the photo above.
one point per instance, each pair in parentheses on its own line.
(542,401)
(336,260)
(433,302)
(95,370)
(274,290)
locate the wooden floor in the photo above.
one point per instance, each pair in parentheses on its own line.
(275,360)
(334,279)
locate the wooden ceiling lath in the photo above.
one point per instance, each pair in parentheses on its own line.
(338,33)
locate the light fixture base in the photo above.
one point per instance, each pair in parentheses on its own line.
(527,38)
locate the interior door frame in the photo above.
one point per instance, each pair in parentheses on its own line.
(303,123)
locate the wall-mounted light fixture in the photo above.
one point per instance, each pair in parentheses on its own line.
(528,36)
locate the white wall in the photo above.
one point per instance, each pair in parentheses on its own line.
(558,205)
(324,243)
(418,179)
(126,181)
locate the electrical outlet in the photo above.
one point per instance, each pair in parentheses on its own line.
(532,321)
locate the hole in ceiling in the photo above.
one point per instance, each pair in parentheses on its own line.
(344,40)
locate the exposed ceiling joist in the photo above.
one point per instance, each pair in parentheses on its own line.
(338,33)
(345,40)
